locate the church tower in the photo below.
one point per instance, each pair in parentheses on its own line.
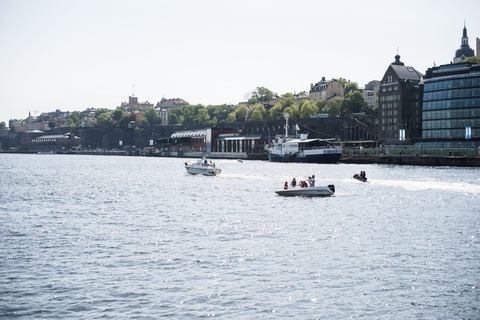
(465,51)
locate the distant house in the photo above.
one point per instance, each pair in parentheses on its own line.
(370,93)
(168,103)
(325,89)
(164,114)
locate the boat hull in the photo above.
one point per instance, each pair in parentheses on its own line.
(317,158)
(308,192)
(203,171)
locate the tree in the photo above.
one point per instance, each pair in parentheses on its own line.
(350,87)
(231,117)
(256,115)
(173,119)
(188,114)
(152,116)
(332,108)
(262,95)
(3,126)
(276,111)
(471,60)
(75,117)
(104,120)
(241,113)
(69,123)
(99,112)
(118,114)
(306,109)
(202,116)
(353,102)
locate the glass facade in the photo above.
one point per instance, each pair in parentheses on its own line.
(451,102)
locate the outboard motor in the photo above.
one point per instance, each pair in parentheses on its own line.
(331,187)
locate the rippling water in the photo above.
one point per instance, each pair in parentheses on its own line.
(88,237)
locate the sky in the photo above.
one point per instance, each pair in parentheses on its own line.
(73,55)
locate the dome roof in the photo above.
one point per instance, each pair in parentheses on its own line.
(465,52)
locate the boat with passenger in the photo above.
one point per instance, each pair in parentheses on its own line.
(361,177)
(302,149)
(320,191)
(203,167)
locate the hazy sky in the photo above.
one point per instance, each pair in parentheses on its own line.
(72,55)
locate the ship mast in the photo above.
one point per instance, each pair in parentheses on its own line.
(286,115)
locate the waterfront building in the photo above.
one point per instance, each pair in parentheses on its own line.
(325,90)
(55,143)
(451,106)
(399,112)
(464,51)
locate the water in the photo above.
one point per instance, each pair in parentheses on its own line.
(86,237)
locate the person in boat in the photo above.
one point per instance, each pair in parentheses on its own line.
(293,184)
(285,187)
(312,181)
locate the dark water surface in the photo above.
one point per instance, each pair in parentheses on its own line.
(86,237)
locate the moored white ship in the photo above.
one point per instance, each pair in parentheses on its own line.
(303,149)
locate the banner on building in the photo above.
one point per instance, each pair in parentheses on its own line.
(468,132)
(402,135)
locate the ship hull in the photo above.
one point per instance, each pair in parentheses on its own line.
(316,158)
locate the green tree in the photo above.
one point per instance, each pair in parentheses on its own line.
(350,87)
(75,117)
(276,111)
(470,60)
(307,109)
(256,115)
(152,116)
(99,112)
(353,102)
(333,108)
(118,113)
(241,113)
(188,114)
(202,116)
(173,119)
(231,117)
(262,95)
(104,120)
(3,126)
(69,123)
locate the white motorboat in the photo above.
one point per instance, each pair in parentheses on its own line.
(203,167)
(320,191)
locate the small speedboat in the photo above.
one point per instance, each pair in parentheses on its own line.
(360,177)
(321,191)
(203,167)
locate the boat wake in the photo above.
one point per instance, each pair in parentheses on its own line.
(430,185)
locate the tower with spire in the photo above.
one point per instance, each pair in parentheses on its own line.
(464,51)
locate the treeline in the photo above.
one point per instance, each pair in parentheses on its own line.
(253,110)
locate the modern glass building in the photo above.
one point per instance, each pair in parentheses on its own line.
(451,106)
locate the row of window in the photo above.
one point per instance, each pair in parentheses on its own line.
(452,104)
(448,133)
(390,105)
(390,128)
(389,88)
(451,84)
(451,94)
(389,113)
(450,123)
(390,97)
(451,113)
